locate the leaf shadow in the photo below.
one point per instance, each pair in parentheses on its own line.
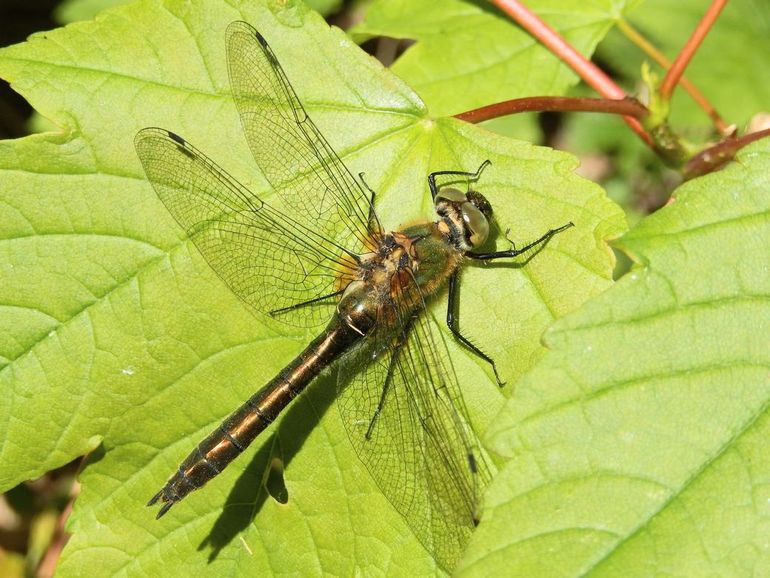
(263,477)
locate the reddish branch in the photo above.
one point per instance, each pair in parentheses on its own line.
(683,58)
(54,550)
(666,143)
(551,39)
(627,106)
(714,157)
(588,71)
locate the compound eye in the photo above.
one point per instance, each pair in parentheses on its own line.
(476,222)
(451,195)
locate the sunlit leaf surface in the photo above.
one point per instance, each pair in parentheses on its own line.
(117,337)
(638,444)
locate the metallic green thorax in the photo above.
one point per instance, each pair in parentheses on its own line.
(435,258)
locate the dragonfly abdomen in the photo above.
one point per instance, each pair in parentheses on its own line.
(236,432)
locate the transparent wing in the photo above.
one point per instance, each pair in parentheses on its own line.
(406,419)
(268,260)
(315,186)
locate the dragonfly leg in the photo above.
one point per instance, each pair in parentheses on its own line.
(385,388)
(388,379)
(452,323)
(471,176)
(275,312)
(373,220)
(513,251)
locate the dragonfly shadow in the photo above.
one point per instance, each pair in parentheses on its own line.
(263,477)
(93,458)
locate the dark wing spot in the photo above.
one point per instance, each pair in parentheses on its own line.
(176,138)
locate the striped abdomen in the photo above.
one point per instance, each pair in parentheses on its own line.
(234,434)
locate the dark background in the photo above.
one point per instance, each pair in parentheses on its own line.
(19,19)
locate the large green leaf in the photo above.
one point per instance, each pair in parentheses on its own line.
(639,443)
(730,67)
(468,54)
(116,331)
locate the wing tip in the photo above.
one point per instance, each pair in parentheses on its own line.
(154,131)
(175,137)
(241,27)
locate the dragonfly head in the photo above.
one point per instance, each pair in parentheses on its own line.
(470,214)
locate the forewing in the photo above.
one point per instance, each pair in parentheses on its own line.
(406,418)
(268,260)
(315,186)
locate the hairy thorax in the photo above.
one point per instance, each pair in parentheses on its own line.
(407,267)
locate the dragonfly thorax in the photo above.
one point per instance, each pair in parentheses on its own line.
(466,214)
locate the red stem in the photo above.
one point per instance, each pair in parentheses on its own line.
(53,553)
(627,106)
(714,157)
(588,71)
(688,51)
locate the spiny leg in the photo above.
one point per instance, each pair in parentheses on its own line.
(385,388)
(452,323)
(513,251)
(373,220)
(453,285)
(275,312)
(472,176)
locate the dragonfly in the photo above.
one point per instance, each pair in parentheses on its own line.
(317,253)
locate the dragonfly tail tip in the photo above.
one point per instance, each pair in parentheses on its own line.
(155,498)
(165,508)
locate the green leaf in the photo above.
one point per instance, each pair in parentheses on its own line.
(468,54)
(117,337)
(728,68)
(75,10)
(639,443)
(324,7)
